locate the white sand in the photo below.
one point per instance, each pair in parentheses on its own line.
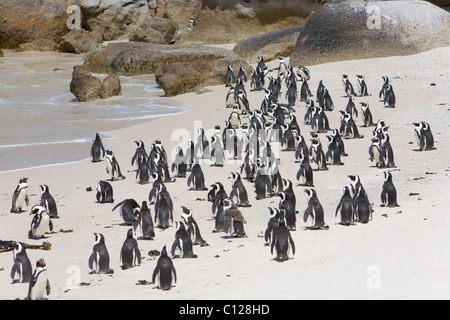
(401,254)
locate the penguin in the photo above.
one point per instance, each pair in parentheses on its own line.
(217,153)
(348,87)
(156,182)
(345,207)
(143,172)
(367,115)
(303,73)
(291,94)
(192,227)
(287,138)
(144,220)
(301,146)
(192,23)
(362,207)
(39,284)
(386,152)
(272,224)
(374,152)
(41,223)
(328,104)
(162,168)
(113,168)
(282,68)
(351,109)
(235,219)
(389,97)
(220,221)
(319,121)
(282,240)
(237,88)
(255,81)
(48,202)
(320,92)
(315,210)
(305,170)
(305,93)
(235,118)
(140,150)
(351,128)
(317,154)
(382,93)
(238,191)
(129,208)
(190,154)
(261,64)
(179,163)
(289,211)
(164,271)
(22,264)
(340,143)
(362,86)
(261,181)
(388,193)
(196,178)
(182,242)
(229,76)
(20,196)
(163,208)
(333,153)
(130,255)
(242,101)
(230,98)
(241,74)
(97,149)
(104,192)
(99,256)
(202,145)
(424,136)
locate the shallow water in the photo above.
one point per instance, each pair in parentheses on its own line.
(41,121)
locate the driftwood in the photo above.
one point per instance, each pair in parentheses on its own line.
(8,245)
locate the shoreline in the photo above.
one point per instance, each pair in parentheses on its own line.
(400,254)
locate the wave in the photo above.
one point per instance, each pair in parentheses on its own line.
(33,144)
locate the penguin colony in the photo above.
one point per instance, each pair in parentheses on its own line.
(248,137)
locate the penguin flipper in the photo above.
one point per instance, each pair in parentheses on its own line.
(190,179)
(15,268)
(137,252)
(117,205)
(174,272)
(50,225)
(291,241)
(91,261)
(308,212)
(174,247)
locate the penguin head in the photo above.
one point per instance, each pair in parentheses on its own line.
(144,205)
(186,211)
(311,193)
(163,252)
(40,263)
(227,203)
(99,238)
(354,178)
(139,143)
(287,184)
(179,225)
(387,176)
(44,188)
(282,218)
(130,233)
(37,210)
(282,195)
(346,190)
(273,212)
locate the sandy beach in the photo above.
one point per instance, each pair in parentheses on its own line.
(401,253)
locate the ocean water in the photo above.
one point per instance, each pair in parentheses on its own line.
(41,121)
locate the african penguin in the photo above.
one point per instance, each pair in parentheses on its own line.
(104,192)
(99,256)
(40,224)
(182,242)
(145,221)
(388,193)
(129,208)
(345,207)
(20,196)
(314,210)
(235,219)
(238,191)
(424,136)
(39,284)
(362,86)
(164,271)
(192,227)
(22,264)
(97,149)
(48,202)
(130,255)
(282,240)
(196,178)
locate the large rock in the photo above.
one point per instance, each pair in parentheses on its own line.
(155,30)
(37,45)
(133,58)
(183,77)
(81,41)
(359,30)
(270,45)
(86,87)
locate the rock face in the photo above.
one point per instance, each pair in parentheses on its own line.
(358,30)
(270,45)
(37,45)
(134,58)
(80,41)
(155,30)
(86,87)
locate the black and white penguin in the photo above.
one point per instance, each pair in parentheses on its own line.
(179,163)
(145,221)
(230,98)
(282,240)
(374,152)
(113,168)
(291,93)
(161,167)
(192,227)
(99,256)
(303,73)
(305,92)
(220,223)
(317,154)
(261,182)
(229,76)
(389,98)
(48,202)
(196,178)
(289,211)
(340,143)
(202,144)
(362,206)
(216,152)
(319,120)
(388,192)
(367,114)
(235,118)
(20,196)
(241,74)
(237,88)
(320,91)
(104,192)
(164,271)
(314,210)
(255,81)
(163,208)
(301,146)
(182,242)
(424,136)
(328,104)
(362,86)
(242,101)
(333,153)
(22,265)
(192,23)
(130,255)
(382,93)
(140,151)
(143,172)
(216,195)
(156,182)
(282,68)
(272,224)
(348,87)
(345,208)
(386,152)
(351,108)
(97,149)
(41,222)
(39,284)
(305,171)
(234,219)
(129,209)
(351,129)
(238,191)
